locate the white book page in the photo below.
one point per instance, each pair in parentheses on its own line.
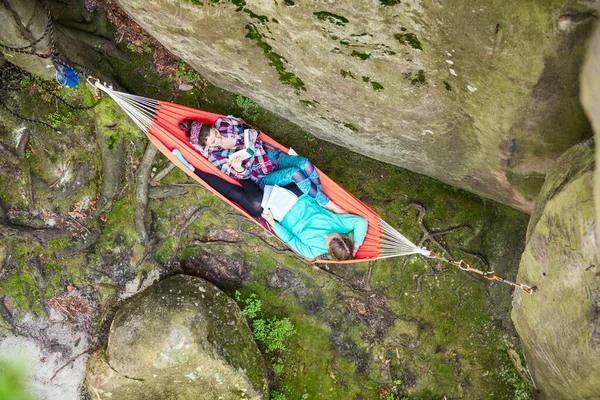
(280,201)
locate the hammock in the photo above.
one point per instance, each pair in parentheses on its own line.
(159,120)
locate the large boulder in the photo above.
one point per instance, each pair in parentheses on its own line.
(560,324)
(481,95)
(182,338)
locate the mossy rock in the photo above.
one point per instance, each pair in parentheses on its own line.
(480,95)
(560,324)
(181,336)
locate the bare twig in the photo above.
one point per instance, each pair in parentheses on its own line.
(69,362)
(64,171)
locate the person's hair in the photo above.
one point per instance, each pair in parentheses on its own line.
(340,248)
(187,124)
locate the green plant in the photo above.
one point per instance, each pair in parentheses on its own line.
(60,119)
(28,150)
(131,47)
(271,334)
(275,395)
(250,109)
(277,365)
(186,74)
(25,82)
(252,305)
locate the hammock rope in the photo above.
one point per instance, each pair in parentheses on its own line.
(160,122)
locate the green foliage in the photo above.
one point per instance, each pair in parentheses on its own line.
(275,395)
(186,74)
(270,334)
(250,109)
(252,305)
(25,82)
(12,385)
(28,150)
(61,119)
(131,47)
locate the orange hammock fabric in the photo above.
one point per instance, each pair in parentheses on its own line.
(166,135)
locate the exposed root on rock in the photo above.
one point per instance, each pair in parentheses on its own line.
(141,193)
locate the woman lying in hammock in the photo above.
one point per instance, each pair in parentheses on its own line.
(267,166)
(313,231)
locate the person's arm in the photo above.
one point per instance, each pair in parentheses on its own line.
(223,163)
(359,226)
(290,239)
(179,156)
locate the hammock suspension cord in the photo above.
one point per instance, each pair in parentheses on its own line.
(392,243)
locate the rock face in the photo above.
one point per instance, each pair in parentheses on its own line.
(182,338)
(480,95)
(560,325)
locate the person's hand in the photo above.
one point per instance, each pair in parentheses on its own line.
(268,216)
(236,163)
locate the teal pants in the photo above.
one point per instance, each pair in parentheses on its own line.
(296,169)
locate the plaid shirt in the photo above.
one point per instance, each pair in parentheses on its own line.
(255,167)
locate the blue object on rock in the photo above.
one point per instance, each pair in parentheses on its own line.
(66,76)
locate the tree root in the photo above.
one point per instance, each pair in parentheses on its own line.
(8,229)
(197,212)
(69,362)
(141,193)
(333,367)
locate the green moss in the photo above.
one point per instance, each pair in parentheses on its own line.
(275,60)
(289,3)
(447,86)
(333,18)
(366,79)
(377,86)
(362,56)
(389,3)
(351,127)
(409,39)
(261,18)
(239,3)
(346,74)
(418,79)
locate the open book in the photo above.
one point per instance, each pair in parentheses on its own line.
(248,150)
(278,200)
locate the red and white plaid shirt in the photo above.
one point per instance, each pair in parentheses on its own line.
(254,167)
